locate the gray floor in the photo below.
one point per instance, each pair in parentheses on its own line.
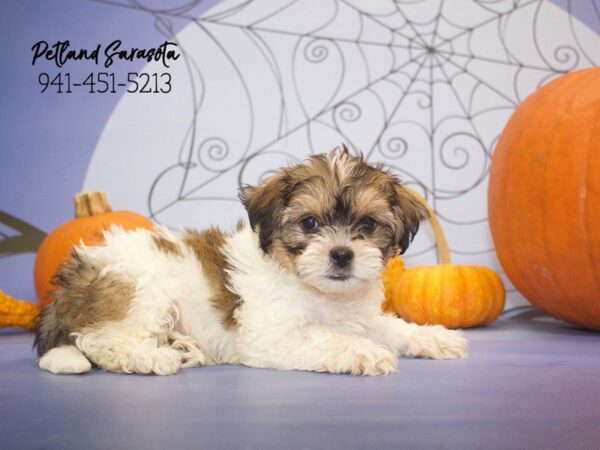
(528,384)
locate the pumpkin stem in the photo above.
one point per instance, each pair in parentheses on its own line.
(91,203)
(440,237)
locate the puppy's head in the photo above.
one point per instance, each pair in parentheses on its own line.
(333,220)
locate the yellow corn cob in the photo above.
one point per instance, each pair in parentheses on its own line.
(17,313)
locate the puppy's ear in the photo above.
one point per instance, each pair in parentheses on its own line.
(408,213)
(264,204)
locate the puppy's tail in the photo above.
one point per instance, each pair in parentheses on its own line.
(50,332)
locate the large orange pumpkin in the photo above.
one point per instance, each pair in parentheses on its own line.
(93,215)
(544,198)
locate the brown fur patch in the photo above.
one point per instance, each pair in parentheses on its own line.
(82,298)
(207,247)
(165,245)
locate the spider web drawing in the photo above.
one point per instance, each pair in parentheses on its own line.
(424,85)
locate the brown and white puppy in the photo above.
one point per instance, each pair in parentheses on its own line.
(299,288)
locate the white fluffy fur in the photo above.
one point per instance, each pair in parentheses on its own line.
(282,323)
(65,359)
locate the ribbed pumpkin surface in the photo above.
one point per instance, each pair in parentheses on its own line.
(453,295)
(544,198)
(392,274)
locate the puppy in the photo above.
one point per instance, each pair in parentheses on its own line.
(297,289)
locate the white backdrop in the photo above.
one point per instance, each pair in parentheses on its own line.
(423,85)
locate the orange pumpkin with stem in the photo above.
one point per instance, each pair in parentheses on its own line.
(453,295)
(93,215)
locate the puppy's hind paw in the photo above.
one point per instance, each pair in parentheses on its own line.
(437,342)
(65,360)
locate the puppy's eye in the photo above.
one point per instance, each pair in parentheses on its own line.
(309,223)
(367,224)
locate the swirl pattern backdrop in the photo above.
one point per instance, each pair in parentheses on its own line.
(425,86)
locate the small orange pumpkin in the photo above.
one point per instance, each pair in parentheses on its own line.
(453,295)
(93,215)
(391,275)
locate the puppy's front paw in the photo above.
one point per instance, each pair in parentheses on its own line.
(166,361)
(437,342)
(160,361)
(364,357)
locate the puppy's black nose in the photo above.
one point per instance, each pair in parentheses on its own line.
(341,256)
